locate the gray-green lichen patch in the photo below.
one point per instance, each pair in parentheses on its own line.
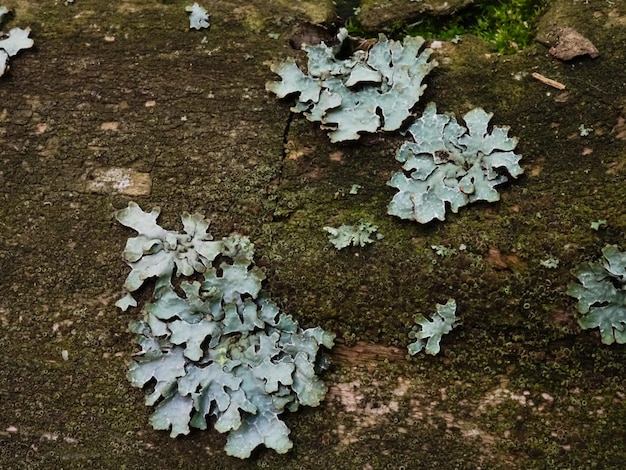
(356,235)
(12,42)
(220,350)
(519,336)
(600,294)
(450,165)
(198,16)
(373,89)
(427,332)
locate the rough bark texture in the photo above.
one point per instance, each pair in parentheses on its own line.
(125,85)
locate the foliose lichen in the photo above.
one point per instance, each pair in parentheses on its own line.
(601,295)
(215,346)
(448,164)
(12,42)
(427,333)
(198,16)
(368,91)
(356,235)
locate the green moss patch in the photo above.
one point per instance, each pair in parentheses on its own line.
(509,25)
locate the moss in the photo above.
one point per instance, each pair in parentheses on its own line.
(60,249)
(507,25)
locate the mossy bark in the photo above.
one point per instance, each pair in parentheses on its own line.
(376,15)
(127,85)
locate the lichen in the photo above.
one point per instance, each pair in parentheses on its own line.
(198,17)
(12,42)
(356,235)
(221,349)
(601,295)
(371,90)
(427,333)
(450,165)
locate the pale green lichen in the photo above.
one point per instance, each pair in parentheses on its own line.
(449,165)
(220,349)
(12,42)
(156,252)
(371,90)
(356,235)
(550,263)
(443,251)
(601,295)
(427,333)
(198,17)
(598,224)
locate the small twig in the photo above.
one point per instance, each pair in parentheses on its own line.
(548,81)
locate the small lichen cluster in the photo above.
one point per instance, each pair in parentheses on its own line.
(215,347)
(368,91)
(427,333)
(448,164)
(12,42)
(601,295)
(198,17)
(356,235)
